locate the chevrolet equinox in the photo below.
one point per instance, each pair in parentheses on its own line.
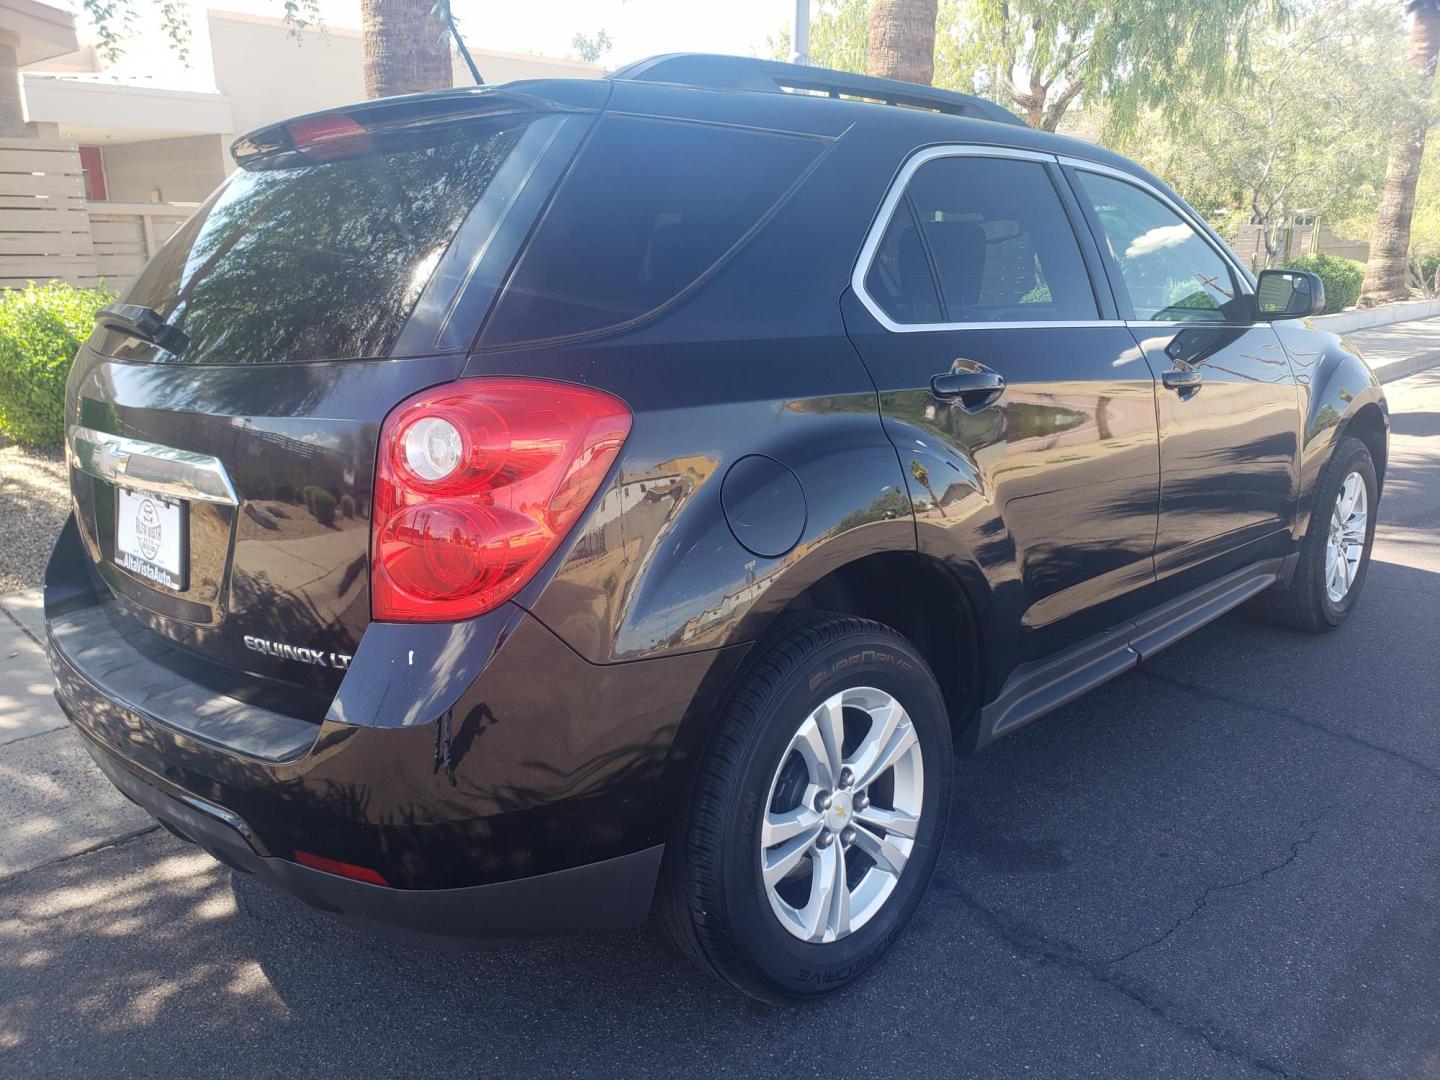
(502,510)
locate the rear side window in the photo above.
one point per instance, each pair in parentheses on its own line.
(1001,242)
(899,279)
(649,207)
(323,260)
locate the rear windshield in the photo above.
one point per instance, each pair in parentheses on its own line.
(648,208)
(320,261)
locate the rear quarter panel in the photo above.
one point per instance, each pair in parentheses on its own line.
(755,362)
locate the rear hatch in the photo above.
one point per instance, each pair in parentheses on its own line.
(222,421)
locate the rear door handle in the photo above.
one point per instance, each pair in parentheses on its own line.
(1189,379)
(972,390)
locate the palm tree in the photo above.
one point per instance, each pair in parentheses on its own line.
(902,40)
(922,477)
(407,47)
(1390,244)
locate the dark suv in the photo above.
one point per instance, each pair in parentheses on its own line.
(499,509)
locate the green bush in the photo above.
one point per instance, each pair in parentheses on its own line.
(41,327)
(1342,278)
(321,504)
(1429,267)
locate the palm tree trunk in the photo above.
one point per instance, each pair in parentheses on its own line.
(407,49)
(902,40)
(1390,243)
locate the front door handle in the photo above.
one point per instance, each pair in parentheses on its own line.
(1186,381)
(972,389)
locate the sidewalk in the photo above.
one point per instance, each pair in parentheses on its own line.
(54,802)
(1400,349)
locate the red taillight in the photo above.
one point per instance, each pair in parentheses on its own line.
(342,869)
(476,485)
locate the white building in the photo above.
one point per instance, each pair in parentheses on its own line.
(115,162)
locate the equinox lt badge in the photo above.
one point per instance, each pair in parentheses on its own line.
(296,652)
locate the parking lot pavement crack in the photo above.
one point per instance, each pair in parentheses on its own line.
(1029,941)
(103,845)
(1429,771)
(35,734)
(1203,900)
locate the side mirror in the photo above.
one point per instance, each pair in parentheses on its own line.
(1289,294)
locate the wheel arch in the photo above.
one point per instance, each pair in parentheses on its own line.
(924,600)
(927,601)
(1370,425)
(1339,396)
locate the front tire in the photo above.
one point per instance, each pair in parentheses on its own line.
(818,813)
(1335,554)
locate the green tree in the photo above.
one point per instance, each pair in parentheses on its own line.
(1285,140)
(406,43)
(839,31)
(1040,57)
(591,48)
(117,20)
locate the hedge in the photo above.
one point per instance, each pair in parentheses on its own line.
(321,504)
(41,328)
(1342,278)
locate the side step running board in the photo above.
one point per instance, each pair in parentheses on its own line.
(1036,688)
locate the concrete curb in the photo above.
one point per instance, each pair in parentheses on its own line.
(1411,365)
(1343,322)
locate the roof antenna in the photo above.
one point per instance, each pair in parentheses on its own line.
(460,44)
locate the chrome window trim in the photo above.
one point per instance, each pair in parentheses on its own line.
(146,466)
(1084,165)
(1038,324)
(887,211)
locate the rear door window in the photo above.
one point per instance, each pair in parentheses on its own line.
(322,260)
(1001,242)
(648,209)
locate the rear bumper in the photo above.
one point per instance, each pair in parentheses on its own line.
(594,898)
(498,783)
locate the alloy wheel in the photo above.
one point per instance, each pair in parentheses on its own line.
(842,814)
(1345,545)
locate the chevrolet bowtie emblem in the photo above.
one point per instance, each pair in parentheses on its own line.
(112,459)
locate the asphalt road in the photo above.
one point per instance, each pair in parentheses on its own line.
(1226,863)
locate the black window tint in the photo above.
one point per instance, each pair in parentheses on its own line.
(648,208)
(1003,247)
(1171,273)
(899,279)
(318,261)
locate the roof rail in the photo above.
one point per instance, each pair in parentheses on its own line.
(743,73)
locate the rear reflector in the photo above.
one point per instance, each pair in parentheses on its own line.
(340,869)
(477,483)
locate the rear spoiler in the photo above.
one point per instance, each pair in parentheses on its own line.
(322,136)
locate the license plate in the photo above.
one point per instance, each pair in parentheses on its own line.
(150,537)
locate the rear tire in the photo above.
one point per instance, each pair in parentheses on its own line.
(810,771)
(1335,553)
